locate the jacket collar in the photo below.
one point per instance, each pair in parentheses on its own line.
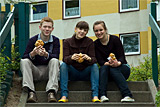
(50,38)
(78,42)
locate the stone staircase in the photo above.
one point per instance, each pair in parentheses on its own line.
(80,95)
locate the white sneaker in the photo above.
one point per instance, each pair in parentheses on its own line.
(127,99)
(104,99)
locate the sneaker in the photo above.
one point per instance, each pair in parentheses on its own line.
(104,99)
(96,100)
(127,99)
(63,100)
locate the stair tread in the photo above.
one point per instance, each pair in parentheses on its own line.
(91,104)
(80,95)
(94,103)
(86,85)
(91,91)
(85,96)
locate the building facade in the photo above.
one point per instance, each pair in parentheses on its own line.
(127,19)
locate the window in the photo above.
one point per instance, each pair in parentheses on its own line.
(71,9)
(38,11)
(131,43)
(128,5)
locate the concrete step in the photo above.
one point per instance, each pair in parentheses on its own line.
(80,95)
(85,96)
(86,86)
(90,104)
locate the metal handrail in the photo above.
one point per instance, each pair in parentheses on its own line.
(154,27)
(155,35)
(6,28)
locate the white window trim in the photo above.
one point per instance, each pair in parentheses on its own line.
(158,10)
(68,17)
(127,10)
(131,53)
(31,11)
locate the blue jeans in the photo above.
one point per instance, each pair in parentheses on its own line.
(68,72)
(118,74)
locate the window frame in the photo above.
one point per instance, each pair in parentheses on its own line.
(70,17)
(128,10)
(139,45)
(158,10)
(31,10)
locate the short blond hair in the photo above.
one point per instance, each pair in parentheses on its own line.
(46,19)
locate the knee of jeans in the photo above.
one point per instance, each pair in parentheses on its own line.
(95,69)
(95,66)
(63,66)
(114,71)
(104,68)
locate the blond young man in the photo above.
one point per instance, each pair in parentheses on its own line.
(41,62)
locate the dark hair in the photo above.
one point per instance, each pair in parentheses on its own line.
(100,22)
(46,19)
(82,25)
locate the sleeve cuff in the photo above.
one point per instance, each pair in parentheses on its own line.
(31,57)
(47,57)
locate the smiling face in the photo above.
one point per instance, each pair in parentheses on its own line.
(81,29)
(80,33)
(46,28)
(99,31)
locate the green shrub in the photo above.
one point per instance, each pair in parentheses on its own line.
(4,65)
(9,64)
(15,59)
(158,98)
(143,71)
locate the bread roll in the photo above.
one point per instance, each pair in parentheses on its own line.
(112,55)
(38,43)
(80,60)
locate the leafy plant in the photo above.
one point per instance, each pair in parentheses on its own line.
(4,65)
(9,64)
(154,0)
(15,59)
(158,98)
(143,71)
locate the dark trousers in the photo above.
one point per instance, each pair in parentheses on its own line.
(117,74)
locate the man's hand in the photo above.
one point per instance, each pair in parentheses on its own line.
(35,51)
(39,51)
(43,52)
